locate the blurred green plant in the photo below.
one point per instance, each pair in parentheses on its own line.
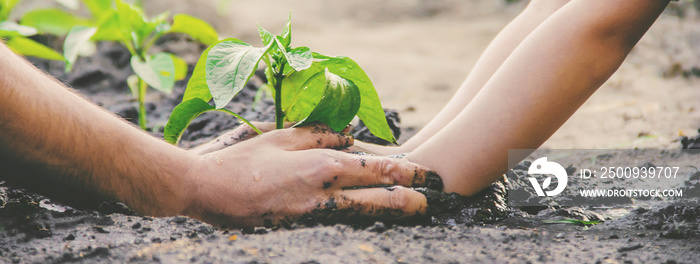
(58,21)
(16,36)
(307,86)
(126,23)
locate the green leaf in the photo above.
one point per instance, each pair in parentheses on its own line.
(77,39)
(146,32)
(20,29)
(180,67)
(182,116)
(185,112)
(6,7)
(110,28)
(265,36)
(285,38)
(305,100)
(131,20)
(28,47)
(371,111)
(287,33)
(156,26)
(299,58)
(195,27)
(98,7)
(130,15)
(230,64)
(158,71)
(197,85)
(70,4)
(8,34)
(339,104)
(53,21)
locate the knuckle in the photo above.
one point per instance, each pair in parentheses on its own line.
(316,176)
(327,164)
(385,169)
(399,199)
(279,134)
(379,165)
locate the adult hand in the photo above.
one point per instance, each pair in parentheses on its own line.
(239,134)
(290,174)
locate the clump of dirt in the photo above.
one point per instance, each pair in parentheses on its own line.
(451,209)
(362,132)
(674,221)
(690,142)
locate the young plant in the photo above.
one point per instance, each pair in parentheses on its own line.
(16,36)
(126,23)
(58,21)
(307,86)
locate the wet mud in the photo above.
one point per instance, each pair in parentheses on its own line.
(456,229)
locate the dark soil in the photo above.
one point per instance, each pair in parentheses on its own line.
(483,228)
(690,142)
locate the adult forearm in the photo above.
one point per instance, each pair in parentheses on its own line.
(66,140)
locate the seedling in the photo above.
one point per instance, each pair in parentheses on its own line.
(58,21)
(16,36)
(307,86)
(126,23)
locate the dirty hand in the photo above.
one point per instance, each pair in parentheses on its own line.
(235,136)
(240,134)
(291,174)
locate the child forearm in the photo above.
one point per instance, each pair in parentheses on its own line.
(548,76)
(492,58)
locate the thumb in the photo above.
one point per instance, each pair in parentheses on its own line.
(315,135)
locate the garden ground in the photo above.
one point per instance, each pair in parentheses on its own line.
(417,53)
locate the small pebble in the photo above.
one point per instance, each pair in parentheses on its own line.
(378,227)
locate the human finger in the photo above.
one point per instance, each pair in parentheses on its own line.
(369,204)
(365,170)
(235,136)
(312,136)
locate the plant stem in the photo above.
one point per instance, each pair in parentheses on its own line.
(152,41)
(130,47)
(141,98)
(279,115)
(142,86)
(242,119)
